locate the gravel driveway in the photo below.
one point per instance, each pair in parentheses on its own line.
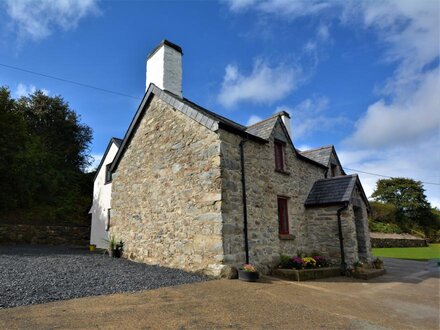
(39,274)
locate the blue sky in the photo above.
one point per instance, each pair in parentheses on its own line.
(363,76)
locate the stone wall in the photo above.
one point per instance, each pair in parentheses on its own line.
(263,186)
(40,234)
(166,198)
(395,242)
(323,233)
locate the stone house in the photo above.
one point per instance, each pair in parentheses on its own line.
(194,190)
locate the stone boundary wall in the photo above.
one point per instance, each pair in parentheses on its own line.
(40,234)
(397,242)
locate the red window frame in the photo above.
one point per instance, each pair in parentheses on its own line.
(283,216)
(279,155)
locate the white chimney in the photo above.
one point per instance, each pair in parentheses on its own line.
(285,117)
(164,67)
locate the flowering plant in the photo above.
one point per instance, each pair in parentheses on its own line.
(309,262)
(249,268)
(321,261)
(297,262)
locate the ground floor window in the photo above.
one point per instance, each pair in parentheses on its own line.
(283,216)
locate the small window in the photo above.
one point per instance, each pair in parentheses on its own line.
(333,169)
(108,174)
(279,155)
(283,216)
(107,224)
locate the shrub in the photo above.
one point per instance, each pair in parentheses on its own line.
(286,262)
(321,261)
(298,262)
(380,227)
(249,268)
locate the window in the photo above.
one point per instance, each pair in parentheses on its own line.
(107,224)
(108,174)
(333,169)
(283,216)
(279,155)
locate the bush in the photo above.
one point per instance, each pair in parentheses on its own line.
(381,227)
(286,262)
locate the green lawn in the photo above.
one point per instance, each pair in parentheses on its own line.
(417,253)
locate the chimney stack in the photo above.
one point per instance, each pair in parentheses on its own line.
(285,117)
(164,67)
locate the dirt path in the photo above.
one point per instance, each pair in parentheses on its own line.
(401,299)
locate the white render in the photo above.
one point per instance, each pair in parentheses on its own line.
(101,201)
(164,69)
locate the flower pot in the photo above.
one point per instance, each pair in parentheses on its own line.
(248,276)
(92,247)
(117,253)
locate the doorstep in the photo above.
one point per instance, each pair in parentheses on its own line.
(307,274)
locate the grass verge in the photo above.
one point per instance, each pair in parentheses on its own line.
(416,253)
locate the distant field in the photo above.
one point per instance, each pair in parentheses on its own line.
(416,253)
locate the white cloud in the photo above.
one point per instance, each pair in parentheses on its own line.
(399,133)
(408,119)
(323,32)
(37,19)
(25,90)
(264,85)
(287,8)
(309,117)
(253,119)
(419,163)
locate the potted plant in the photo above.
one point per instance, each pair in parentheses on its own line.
(248,273)
(119,249)
(111,246)
(378,263)
(358,266)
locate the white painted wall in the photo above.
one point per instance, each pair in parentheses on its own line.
(101,202)
(164,69)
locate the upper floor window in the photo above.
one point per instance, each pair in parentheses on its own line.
(108,174)
(279,155)
(333,169)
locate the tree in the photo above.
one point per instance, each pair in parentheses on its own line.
(408,197)
(45,150)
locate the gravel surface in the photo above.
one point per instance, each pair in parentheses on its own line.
(39,274)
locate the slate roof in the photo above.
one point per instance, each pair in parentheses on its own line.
(259,132)
(214,116)
(263,129)
(114,140)
(337,190)
(320,155)
(117,141)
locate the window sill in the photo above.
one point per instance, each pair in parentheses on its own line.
(282,172)
(286,237)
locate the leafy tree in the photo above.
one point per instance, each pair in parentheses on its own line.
(45,150)
(409,199)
